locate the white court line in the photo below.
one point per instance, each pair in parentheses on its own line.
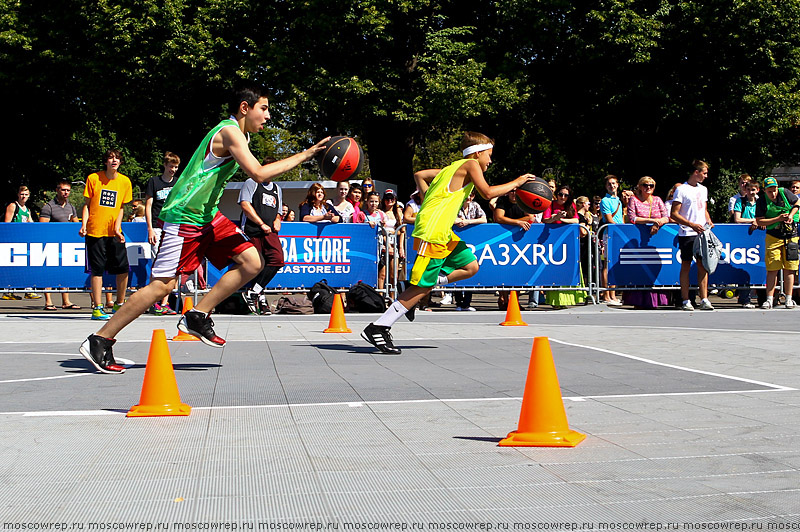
(356,404)
(777,387)
(123,361)
(327,339)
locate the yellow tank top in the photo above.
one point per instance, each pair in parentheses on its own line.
(434,222)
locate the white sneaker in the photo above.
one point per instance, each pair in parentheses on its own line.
(766,305)
(614,302)
(466,309)
(687,306)
(446,300)
(748,305)
(790,304)
(706,305)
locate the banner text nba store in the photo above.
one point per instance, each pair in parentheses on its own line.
(342,254)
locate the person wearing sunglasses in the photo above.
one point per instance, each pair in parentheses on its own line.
(644,207)
(367,186)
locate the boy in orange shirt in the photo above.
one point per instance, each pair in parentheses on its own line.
(106,192)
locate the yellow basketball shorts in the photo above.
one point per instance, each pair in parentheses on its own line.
(775,255)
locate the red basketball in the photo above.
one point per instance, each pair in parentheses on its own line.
(342,159)
(534,196)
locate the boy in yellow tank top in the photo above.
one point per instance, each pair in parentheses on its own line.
(442,257)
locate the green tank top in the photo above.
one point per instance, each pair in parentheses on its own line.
(773,211)
(439,209)
(22,214)
(195,196)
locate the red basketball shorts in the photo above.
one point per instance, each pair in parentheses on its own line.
(183,246)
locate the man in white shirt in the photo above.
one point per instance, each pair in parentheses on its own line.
(690,210)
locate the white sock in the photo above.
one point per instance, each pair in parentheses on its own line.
(395,311)
(769,298)
(257,288)
(442,279)
(705,300)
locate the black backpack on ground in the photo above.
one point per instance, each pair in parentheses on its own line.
(364,298)
(321,296)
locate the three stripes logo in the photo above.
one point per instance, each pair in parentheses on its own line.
(646,256)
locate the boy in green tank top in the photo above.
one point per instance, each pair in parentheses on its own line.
(194,228)
(442,257)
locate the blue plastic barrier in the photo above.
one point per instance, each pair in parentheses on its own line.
(637,258)
(508,256)
(343,254)
(52,255)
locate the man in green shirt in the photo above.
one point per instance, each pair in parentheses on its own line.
(442,257)
(194,228)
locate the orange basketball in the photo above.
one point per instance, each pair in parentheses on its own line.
(342,159)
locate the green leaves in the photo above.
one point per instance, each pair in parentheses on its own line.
(630,87)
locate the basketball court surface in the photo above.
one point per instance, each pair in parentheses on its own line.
(690,418)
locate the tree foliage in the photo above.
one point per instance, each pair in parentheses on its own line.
(630,87)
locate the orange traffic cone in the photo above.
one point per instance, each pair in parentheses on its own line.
(337,324)
(513,316)
(182,336)
(542,420)
(160,395)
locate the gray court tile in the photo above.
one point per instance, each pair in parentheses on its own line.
(269,441)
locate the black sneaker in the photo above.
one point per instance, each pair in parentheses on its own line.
(98,351)
(200,325)
(263,306)
(251,298)
(402,286)
(381,338)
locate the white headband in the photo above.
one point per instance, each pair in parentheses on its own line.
(476,148)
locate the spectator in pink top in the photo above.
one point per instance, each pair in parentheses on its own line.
(646,208)
(563,211)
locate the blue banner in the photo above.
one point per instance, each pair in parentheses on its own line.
(343,254)
(637,258)
(544,255)
(52,255)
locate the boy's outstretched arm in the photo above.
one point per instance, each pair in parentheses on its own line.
(475,174)
(235,143)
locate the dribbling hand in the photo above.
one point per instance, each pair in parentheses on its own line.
(316,148)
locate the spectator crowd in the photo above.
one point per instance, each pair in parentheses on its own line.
(766,206)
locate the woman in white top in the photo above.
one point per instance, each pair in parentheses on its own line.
(342,204)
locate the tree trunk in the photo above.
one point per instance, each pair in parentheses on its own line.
(390,148)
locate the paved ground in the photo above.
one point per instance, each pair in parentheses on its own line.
(691,418)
